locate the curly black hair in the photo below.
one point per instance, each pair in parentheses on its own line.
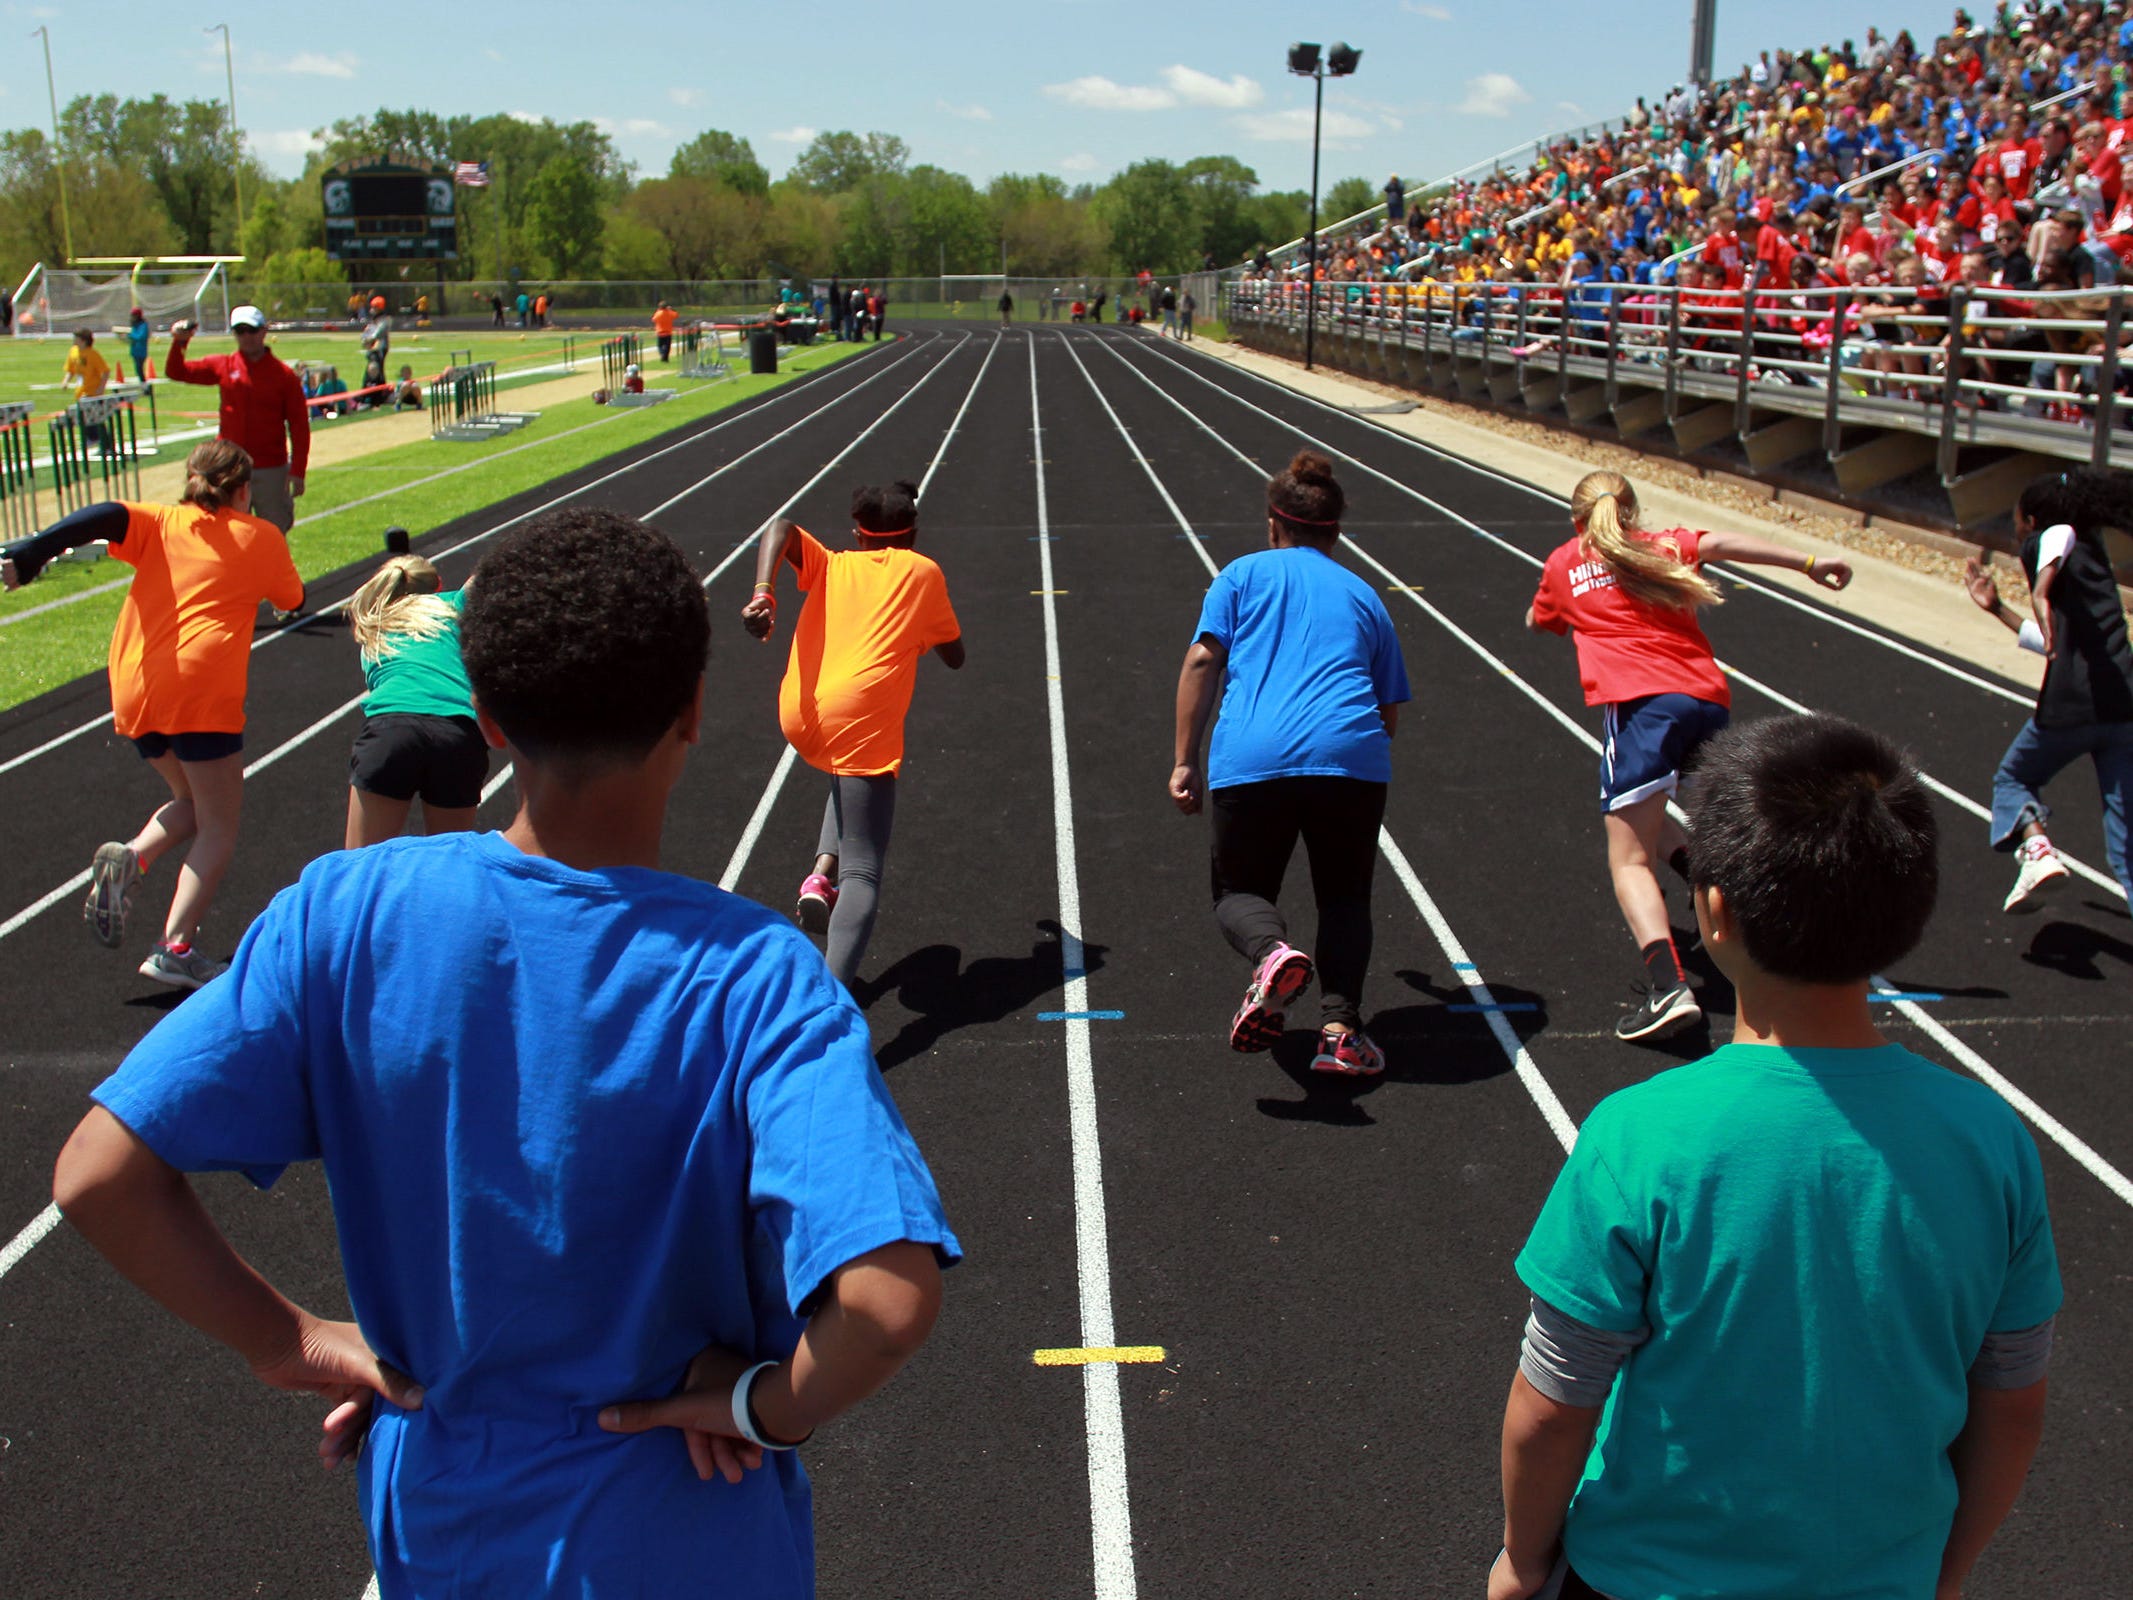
(585,634)
(1822,839)
(2087,499)
(885,508)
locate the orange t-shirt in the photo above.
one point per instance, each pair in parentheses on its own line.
(663,321)
(182,648)
(869,616)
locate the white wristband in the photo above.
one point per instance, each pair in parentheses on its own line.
(2029,636)
(744,1420)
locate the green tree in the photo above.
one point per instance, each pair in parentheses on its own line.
(721,158)
(1152,218)
(563,220)
(183,151)
(290,283)
(1348,198)
(838,163)
(630,248)
(705,229)
(1223,189)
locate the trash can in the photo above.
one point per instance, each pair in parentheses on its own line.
(762,350)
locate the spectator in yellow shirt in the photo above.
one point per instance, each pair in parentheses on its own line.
(86,368)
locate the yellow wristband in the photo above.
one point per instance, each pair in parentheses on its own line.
(765,588)
(1810,565)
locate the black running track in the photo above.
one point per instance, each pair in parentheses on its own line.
(1327,1267)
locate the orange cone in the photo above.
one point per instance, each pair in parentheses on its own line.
(151,369)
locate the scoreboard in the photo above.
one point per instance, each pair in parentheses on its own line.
(390,211)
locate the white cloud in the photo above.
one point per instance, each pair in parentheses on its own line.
(1570,108)
(1078,163)
(1204,89)
(533,117)
(1417,8)
(283,142)
(793,136)
(493,53)
(1493,94)
(310,64)
(646,128)
(971,113)
(686,97)
(1101,94)
(1293,125)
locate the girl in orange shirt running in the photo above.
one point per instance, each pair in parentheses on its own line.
(870,614)
(179,660)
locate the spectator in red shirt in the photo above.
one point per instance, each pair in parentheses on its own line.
(263,410)
(2015,157)
(1722,249)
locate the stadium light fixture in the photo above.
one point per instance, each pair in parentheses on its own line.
(229,68)
(59,165)
(1305,62)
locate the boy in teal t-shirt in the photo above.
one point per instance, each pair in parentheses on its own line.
(1792,1304)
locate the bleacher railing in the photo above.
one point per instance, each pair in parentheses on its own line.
(1957,364)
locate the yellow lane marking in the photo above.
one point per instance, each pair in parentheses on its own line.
(1047,591)
(1122,1354)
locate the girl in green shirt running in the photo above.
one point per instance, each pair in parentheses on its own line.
(419,736)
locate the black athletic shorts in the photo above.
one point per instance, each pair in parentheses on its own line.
(401,755)
(188,746)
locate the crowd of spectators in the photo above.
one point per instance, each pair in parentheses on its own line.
(1993,159)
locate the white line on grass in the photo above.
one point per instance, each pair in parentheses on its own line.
(369,499)
(1463,968)
(1110,1518)
(81,879)
(1833,618)
(2102,879)
(2082,1153)
(488,533)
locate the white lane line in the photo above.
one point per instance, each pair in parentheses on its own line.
(1833,618)
(1110,1517)
(1469,975)
(2102,879)
(81,879)
(2082,1153)
(741,415)
(26,1241)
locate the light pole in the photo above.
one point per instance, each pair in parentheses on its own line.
(1305,63)
(59,164)
(229,70)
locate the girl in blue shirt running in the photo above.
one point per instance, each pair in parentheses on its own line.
(1303,657)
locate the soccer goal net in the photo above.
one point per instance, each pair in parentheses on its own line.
(61,300)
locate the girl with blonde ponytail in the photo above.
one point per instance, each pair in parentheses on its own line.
(1629,599)
(419,738)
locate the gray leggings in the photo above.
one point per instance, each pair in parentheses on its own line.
(855,829)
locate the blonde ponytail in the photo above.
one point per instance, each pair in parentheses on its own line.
(398,602)
(1604,507)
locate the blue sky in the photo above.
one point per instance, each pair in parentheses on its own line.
(1076,87)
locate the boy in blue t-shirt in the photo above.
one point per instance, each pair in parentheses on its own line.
(623,1204)
(1791,1304)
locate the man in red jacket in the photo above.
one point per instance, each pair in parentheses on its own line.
(263,410)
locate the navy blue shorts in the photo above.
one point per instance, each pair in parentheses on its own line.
(188,746)
(1647,742)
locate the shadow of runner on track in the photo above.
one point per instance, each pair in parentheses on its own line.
(2070,948)
(933,982)
(1425,1044)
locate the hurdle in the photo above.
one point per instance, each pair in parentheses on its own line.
(617,356)
(138,392)
(463,404)
(18,473)
(703,353)
(86,469)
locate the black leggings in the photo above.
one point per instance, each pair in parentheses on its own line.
(1256,829)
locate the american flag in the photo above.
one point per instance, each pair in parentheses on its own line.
(471,174)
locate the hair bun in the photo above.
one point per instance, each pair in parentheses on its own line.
(1309,467)
(908,488)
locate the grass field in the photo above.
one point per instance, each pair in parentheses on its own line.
(30,368)
(44,651)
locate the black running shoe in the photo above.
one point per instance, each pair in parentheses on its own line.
(1658,1013)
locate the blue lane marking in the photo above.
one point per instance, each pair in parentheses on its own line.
(1081,1016)
(1889,996)
(1042,538)
(1512,1005)
(1464,966)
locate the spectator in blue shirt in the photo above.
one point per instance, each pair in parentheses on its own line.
(623,1204)
(137,343)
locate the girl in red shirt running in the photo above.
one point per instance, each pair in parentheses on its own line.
(1629,600)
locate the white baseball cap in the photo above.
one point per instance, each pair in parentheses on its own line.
(248,317)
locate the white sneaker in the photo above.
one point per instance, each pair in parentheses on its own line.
(2039,875)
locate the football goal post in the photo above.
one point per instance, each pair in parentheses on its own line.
(100,293)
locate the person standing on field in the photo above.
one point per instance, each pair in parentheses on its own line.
(263,410)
